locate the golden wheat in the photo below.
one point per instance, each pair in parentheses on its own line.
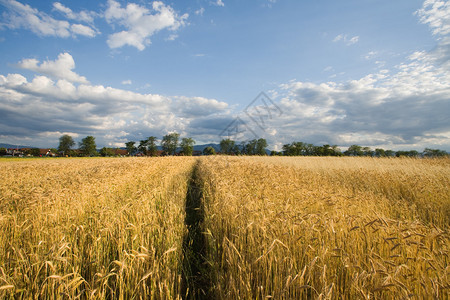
(225,228)
(96,228)
(329,228)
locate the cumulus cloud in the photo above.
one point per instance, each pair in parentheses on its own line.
(79,29)
(198,106)
(140,22)
(61,68)
(436,14)
(20,15)
(83,16)
(407,108)
(48,104)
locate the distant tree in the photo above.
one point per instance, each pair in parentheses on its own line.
(294,149)
(107,152)
(209,151)
(73,153)
(389,153)
(130,147)
(227,146)
(169,143)
(143,146)
(37,152)
(336,151)
(410,153)
(434,153)
(152,148)
(275,153)
(380,152)
(249,148)
(260,147)
(367,151)
(88,146)
(187,146)
(354,150)
(66,143)
(3,151)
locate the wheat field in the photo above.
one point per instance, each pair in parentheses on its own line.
(92,228)
(328,228)
(224,227)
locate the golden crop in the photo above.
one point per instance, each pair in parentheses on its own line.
(334,228)
(96,228)
(225,228)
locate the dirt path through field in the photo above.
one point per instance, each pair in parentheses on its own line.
(196,283)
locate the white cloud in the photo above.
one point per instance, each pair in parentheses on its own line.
(353,40)
(436,14)
(83,16)
(200,11)
(347,40)
(338,38)
(61,68)
(172,37)
(370,55)
(79,29)
(24,16)
(403,109)
(219,3)
(198,106)
(45,107)
(140,22)
(127,82)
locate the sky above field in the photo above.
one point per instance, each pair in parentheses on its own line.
(368,72)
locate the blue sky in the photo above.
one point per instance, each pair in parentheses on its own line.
(374,73)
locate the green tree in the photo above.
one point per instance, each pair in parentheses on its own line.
(130,147)
(36,152)
(88,146)
(367,151)
(293,149)
(187,146)
(260,147)
(434,153)
(380,152)
(143,146)
(227,146)
(354,150)
(107,152)
(249,148)
(410,153)
(209,151)
(169,143)
(152,148)
(66,143)
(389,153)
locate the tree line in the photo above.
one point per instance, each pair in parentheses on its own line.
(305,149)
(172,144)
(148,147)
(169,144)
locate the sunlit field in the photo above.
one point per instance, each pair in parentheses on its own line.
(336,228)
(223,227)
(95,228)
